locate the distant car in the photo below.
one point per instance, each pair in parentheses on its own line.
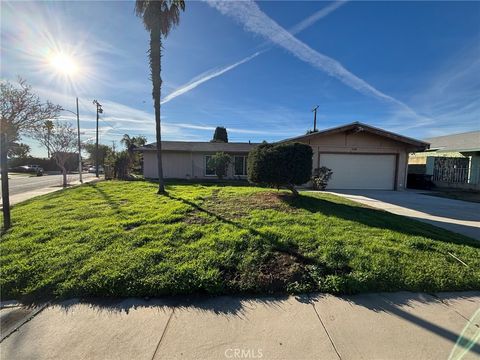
(93,170)
(35,169)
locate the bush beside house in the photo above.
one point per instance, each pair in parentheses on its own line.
(280,166)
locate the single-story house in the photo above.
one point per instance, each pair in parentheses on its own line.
(189,159)
(452,160)
(361,157)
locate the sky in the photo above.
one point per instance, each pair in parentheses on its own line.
(256,68)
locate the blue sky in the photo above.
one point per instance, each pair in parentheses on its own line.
(256,68)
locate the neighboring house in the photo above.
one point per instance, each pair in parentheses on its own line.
(189,160)
(360,156)
(452,160)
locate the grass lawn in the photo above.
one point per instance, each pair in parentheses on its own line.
(121,239)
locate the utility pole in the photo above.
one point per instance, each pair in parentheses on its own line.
(99,111)
(79,146)
(113,146)
(315,118)
(5,191)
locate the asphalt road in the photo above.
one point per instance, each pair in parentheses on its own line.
(20,184)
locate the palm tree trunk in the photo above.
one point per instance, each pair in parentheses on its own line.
(156,67)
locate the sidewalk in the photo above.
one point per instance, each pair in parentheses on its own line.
(371,326)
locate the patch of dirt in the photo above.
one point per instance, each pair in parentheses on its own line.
(280,270)
(193,217)
(239,206)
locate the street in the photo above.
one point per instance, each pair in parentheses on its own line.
(25,187)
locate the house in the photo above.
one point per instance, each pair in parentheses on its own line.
(189,159)
(361,157)
(452,160)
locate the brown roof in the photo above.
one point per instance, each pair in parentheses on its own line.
(358,126)
(200,146)
(467,141)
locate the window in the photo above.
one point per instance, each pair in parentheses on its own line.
(240,164)
(209,171)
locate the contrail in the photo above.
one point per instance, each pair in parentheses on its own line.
(312,19)
(210,75)
(192,84)
(256,21)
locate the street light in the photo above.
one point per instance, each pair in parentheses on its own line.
(78,139)
(99,111)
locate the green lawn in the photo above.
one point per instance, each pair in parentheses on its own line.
(121,239)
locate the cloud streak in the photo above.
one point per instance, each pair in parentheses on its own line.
(213,73)
(210,75)
(254,20)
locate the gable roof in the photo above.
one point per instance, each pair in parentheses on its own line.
(200,146)
(358,127)
(467,141)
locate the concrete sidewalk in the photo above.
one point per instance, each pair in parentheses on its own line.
(373,326)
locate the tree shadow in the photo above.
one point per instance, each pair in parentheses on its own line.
(410,307)
(376,218)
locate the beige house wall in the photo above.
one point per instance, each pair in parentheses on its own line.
(361,143)
(183,165)
(191,165)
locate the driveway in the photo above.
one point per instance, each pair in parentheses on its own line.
(454,215)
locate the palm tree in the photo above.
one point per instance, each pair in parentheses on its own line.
(159,17)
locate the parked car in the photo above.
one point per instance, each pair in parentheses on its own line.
(35,169)
(93,170)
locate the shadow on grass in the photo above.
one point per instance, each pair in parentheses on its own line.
(376,218)
(203,182)
(269,238)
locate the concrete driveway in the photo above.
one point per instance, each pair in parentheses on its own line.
(454,215)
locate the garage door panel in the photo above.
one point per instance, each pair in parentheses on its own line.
(360,171)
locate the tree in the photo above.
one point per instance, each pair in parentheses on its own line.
(131,143)
(220,135)
(284,165)
(18,150)
(22,113)
(62,140)
(159,17)
(104,151)
(220,162)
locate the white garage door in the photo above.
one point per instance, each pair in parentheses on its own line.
(355,171)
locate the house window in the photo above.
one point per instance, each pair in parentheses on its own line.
(240,164)
(209,170)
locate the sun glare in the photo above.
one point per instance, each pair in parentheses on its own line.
(64,64)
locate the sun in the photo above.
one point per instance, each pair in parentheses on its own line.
(64,64)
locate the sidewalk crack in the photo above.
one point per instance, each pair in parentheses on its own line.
(326,331)
(163,334)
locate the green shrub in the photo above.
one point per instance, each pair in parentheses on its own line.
(283,165)
(320,178)
(220,162)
